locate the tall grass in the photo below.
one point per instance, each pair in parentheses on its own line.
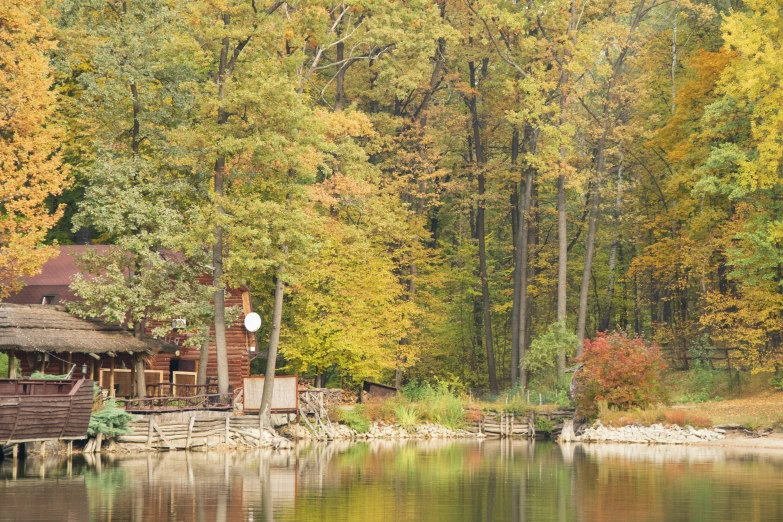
(356,418)
(611,416)
(407,415)
(437,404)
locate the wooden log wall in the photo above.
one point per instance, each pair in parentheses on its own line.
(505,424)
(238,343)
(196,432)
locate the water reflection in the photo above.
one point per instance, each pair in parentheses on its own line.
(394,480)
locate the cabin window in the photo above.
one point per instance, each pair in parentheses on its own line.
(48,299)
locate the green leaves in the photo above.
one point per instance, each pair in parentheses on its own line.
(542,355)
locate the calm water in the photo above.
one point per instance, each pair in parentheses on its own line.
(427,481)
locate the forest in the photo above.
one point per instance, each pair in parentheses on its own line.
(460,191)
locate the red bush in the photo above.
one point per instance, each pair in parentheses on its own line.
(623,371)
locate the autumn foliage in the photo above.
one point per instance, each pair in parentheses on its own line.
(30,166)
(621,370)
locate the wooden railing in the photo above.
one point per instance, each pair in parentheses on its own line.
(167,389)
(18,387)
(207,401)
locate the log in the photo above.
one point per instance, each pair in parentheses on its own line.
(149,432)
(162,436)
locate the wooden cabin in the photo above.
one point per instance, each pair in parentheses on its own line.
(167,360)
(48,339)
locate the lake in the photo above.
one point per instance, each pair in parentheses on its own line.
(413,481)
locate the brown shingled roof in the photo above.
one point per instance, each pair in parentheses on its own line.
(50,328)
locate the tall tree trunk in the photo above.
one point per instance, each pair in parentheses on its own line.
(592,226)
(600,166)
(606,314)
(562,263)
(220,292)
(203,361)
(138,363)
(217,249)
(562,224)
(524,247)
(517,216)
(265,410)
(141,381)
(482,237)
(339,97)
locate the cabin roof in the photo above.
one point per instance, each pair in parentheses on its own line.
(50,328)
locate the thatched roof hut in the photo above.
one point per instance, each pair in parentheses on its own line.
(46,328)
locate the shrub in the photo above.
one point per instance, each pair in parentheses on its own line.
(355,418)
(111,421)
(611,416)
(542,355)
(623,371)
(777,382)
(544,425)
(38,375)
(407,415)
(416,391)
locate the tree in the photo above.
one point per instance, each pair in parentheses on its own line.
(134,197)
(30,159)
(621,370)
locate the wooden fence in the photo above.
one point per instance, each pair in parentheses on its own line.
(230,430)
(505,424)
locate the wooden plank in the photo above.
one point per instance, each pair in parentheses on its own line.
(162,436)
(190,432)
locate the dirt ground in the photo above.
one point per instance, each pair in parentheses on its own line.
(762,410)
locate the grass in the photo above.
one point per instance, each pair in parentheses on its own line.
(407,415)
(610,416)
(417,404)
(3,366)
(355,418)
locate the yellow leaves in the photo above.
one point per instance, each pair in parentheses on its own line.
(30,166)
(754,79)
(746,321)
(342,124)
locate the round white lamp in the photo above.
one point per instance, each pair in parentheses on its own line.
(252,322)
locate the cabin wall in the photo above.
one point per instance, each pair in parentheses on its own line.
(238,343)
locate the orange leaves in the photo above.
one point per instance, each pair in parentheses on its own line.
(30,166)
(621,370)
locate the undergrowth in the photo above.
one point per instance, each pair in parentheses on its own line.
(111,421)
(611,416)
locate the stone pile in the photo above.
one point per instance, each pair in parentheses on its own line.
(654,434)
(381,430)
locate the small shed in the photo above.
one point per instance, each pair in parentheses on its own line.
(48,339)
(377,391)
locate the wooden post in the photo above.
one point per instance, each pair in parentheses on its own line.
(15,452)
(133,376)
(111,377)
(70,448)
(43,364)
(149,432)
(11,365)
(98,442)
(190,432)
